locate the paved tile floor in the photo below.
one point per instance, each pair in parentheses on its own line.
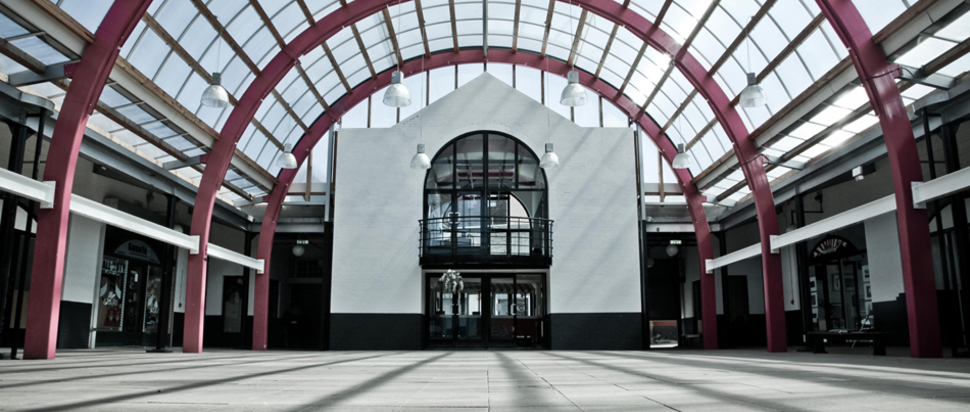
(732,380)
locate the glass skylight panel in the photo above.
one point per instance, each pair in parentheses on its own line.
(861,124)
(767,40)
(113,98)
(793,76)
(853,99)
(707,48)
(40,50)
(288,18)
(878,13)
(322,8)
(817,54)
(837,138)
(958,30)
(201,34)
(807,130)
(928,49)
(790,16)
(816,150)
(786,143)
(243,25)
(917,91)
(10,29)
(956,68)
(8,66)
(87,12)
(172,75)
(830,115)
(175,19)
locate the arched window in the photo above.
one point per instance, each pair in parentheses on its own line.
(485,197)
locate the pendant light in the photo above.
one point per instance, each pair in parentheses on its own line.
(682,159)
(215,95)
(287,160)
(298,250)
(549,159)
(752,95)
(420,159)
(573,94)
(397,95)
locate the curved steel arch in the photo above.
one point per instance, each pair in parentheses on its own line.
(82,96)
(445,59)
(279,66)
(914,229)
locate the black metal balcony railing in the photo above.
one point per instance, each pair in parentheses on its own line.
(462,240)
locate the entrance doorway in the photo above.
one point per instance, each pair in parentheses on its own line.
(839,285)
(503,310)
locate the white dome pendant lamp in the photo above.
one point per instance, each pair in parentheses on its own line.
(549,159)
(420,159)
(397,95)
(682,159)
(215,95)
(573,94)
(287,160)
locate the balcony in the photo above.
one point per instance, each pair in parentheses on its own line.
(458,241)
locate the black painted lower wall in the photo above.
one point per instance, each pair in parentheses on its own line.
(74,325)
(376,331)
(595,331)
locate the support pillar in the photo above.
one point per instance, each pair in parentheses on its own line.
(265,251)
(8,241)
(875,72)
(82,96)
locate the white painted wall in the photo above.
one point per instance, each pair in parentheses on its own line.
(85,238)
(885,262)
(379,202)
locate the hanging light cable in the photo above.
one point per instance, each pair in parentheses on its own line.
(549,159)
(420,159)
(397,95)
(573,94)
(215,95)
(752,95)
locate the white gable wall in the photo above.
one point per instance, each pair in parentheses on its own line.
(378,202)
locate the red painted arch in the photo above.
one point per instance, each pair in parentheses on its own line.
(315,35)
(914,233)
(362,92)
(43,310)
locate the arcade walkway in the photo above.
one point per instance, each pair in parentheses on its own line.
(471,381)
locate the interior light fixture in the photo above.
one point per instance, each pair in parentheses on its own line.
(549,159)
(215,95)
(573,94)
(287,160)
(682,159)
(298,250)
(672,250)
(420,159)
(397,95)
(753,95)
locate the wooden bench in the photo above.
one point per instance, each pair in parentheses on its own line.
(878,339)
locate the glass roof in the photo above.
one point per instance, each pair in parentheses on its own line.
(790,48)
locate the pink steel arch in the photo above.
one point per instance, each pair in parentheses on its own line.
(43,311)
(222,151)
(914,233)
(363,91)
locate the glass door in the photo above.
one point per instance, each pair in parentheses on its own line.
(454,318)
(502,320)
